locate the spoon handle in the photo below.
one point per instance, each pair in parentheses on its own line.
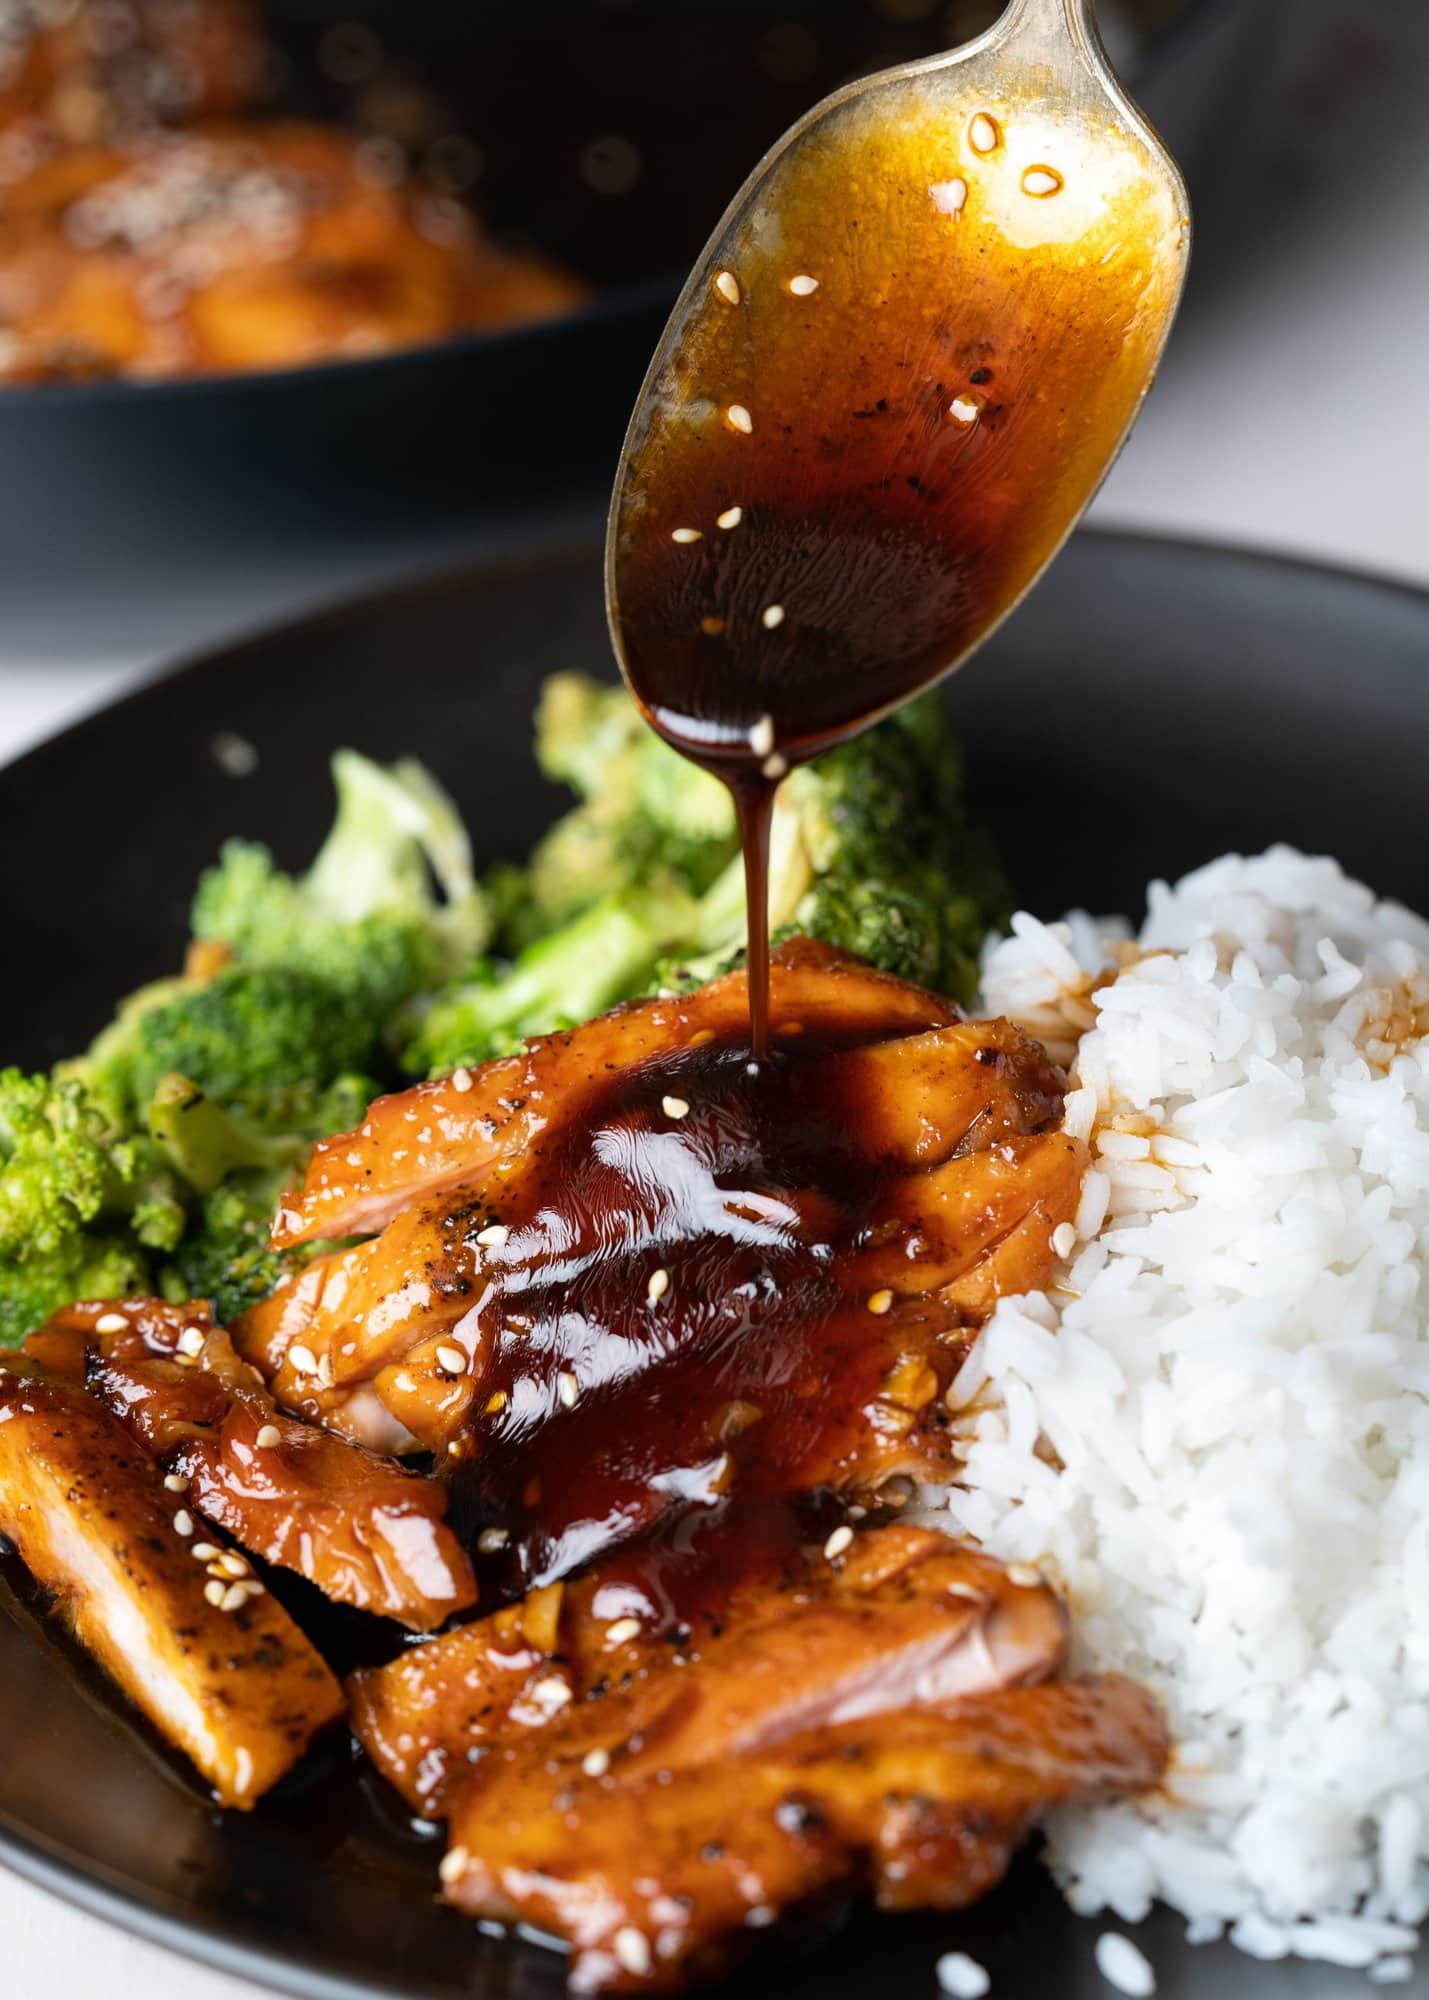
(1048,24)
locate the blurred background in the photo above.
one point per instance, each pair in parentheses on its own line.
(145,517)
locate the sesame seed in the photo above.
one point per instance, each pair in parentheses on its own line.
(183,1523)
(803,286)
(551,1691)
(1024,1576)
(111,1323)
(453,1864)
(839,1540)
(304,1361)
(252,1587)
(879,1302)
(761,736)
(962,1977)
(730,518)
(1041,181)
(775,767)
(739,419)
(215,1593)
(175,1482)
(686,535)
(326,1378)
(461,1079)
(191,1341)
(622,1631)
(492,1539)
(595,1763)
(631,1949)
(759,1918)
(727,285)
(967,1591)
(268,1436)
(568,1389)
(1064,1239)
(700,1037)
(949,196)
(234,1598)
(675,1107)
(493,1236)
(451,1360)
(205,1552)
(497,1400)
(1123,1966)
(232,1564)
(964,409)
(983,134)
(772,617)
(658,1286)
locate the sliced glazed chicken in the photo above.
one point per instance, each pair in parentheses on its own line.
(213,1661)
(664,1877)
(693,1276)
(363,1530)
(757,1646)
(478,1123)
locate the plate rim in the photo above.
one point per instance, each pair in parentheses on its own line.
(570,545)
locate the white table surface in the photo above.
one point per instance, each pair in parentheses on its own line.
(1292,414)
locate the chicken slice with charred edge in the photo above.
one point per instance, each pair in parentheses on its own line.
(697,1276)
(478,1123)
(665,1878)
(362,1529)
(782,1641)
(214,1662)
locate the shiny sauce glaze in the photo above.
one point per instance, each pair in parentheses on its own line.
(882,402)
(710,1293)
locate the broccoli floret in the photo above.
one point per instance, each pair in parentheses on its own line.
(604,955)
(900,876)
(646,814)
(260,1040)
(36,1283)
(870,850)
(67,1160)
(366,919)
(84,1201)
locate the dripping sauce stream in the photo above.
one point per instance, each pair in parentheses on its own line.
(754,807)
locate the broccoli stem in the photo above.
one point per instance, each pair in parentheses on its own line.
(205,1142)
(606,954)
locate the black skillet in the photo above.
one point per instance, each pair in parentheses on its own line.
(610,133)
(1150,706)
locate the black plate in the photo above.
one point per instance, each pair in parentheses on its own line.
(1151,706)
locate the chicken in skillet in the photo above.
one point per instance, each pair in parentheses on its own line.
(232,247)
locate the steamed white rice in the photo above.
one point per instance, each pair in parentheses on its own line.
(1214,1433)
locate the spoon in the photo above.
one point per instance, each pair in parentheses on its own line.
(898,373)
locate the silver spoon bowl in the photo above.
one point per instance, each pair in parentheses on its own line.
(897,375)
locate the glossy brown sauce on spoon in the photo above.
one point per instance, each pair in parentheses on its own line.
(879,407)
